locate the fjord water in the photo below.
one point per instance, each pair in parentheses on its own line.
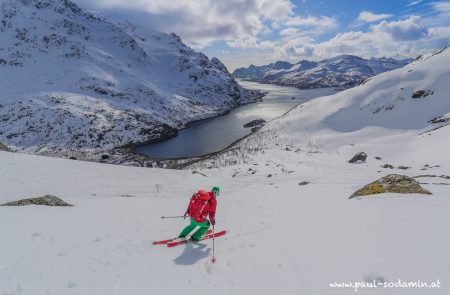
(214,134)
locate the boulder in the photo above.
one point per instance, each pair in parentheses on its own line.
(254,123)
(359,157)
(47,200)
(403,167)
(422,93)
(392,183)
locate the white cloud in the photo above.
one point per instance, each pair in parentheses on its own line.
(249,42)
(441,6)
(440,33)
(413,2)
(368,17)
(408,29)
(298,26)
(401,39)
(201,22)
(324,22)
(288,32)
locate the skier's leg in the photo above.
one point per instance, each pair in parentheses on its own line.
(188,229)
(204,226)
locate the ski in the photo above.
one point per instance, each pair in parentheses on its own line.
(162,242)
(186,241)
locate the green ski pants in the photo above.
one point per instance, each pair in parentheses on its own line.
(196,229)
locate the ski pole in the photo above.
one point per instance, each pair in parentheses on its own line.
(163,217)
(213,259)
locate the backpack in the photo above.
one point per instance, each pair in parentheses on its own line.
(198,203)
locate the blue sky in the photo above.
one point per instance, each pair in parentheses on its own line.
(243,32)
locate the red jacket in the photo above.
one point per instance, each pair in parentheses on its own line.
(201,205)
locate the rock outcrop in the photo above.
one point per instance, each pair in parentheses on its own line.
(359,157)
(255,123)
(3,147)
(392,183)
(47,200)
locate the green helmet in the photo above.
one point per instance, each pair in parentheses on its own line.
(216,191)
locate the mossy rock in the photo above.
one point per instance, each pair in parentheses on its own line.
(392,183)
(4,147)
(47,200)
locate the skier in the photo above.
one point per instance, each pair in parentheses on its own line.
(201,204)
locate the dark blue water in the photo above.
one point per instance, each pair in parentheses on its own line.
(212,135)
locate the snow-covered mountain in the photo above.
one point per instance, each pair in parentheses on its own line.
(73,81)
(340,71)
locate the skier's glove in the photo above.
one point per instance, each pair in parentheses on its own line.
(186,213)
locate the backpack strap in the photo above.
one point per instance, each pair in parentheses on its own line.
(203,207)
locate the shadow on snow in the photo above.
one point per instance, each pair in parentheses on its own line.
(193,252)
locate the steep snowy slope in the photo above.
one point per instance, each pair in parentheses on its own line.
(340,71)
(72,80)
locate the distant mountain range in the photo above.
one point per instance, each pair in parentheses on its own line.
(73,81)
(341,71)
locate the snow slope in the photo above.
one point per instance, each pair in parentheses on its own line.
(412,100)
(283,238)
(72,80)
(340,71)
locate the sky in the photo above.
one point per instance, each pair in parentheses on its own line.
(244,32)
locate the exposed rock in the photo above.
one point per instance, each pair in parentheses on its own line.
(3,147)
(47,200)
(386,166)
(438,120)
(196,172)
(392,183)
(422,93)
(105,157)
(359,157)
(127,196)
(254,123)
(304,183)
(378,158)
(403,167)
(270,175)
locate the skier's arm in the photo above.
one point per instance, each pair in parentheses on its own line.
(212,211)
(188,211)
